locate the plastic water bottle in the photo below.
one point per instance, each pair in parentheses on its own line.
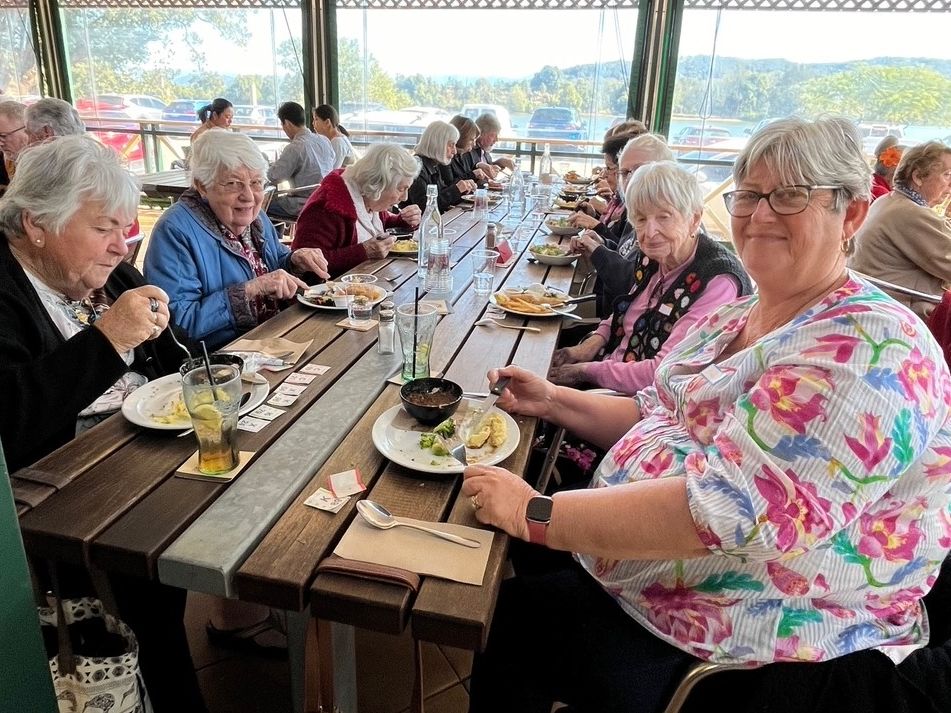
(544,167)
(517,190)
(430,230)
(438,274)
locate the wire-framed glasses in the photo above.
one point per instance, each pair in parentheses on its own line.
(785,200)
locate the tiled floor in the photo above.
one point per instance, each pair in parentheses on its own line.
(244,683)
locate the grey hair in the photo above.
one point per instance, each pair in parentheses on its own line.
(488,123)
(61,118)
(432,144)
(219,150)
(924,159)
(662,183)
(54,179)
(382,167)
(827,151)
(12,110)
(654,145)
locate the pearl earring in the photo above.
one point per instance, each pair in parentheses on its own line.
(39,242)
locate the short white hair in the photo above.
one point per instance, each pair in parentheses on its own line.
(12,110)
(824,152)
(488,123)
(220,150)
(654,145)
(382,166)
(54,179)
(60,117)
(432,144)
(663,183)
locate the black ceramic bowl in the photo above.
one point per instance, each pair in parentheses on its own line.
(430,401)
(190,364)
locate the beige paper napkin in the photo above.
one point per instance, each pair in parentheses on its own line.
(365,327)
(274,346)
(417,551)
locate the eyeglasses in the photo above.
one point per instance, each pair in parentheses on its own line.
(10,133)
(610,169)
(240,186)
(785,200)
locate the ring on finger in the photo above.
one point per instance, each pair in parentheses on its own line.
(475,502)
(153,304)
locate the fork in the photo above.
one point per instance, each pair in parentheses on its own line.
(489,322)
(181,346)
(569,315)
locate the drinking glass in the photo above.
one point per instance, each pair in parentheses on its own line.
(213,406)
(539,203)
(359,310)
(480,204)
(483,271)
(520,237)
(416,324)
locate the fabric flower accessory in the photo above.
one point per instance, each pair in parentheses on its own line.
(890,157)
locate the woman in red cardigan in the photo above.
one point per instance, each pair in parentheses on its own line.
(348,215)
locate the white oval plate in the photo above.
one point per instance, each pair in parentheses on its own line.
(341,304)
(158,397)
(566,308)
(402,446)
(562,229)
(557,260)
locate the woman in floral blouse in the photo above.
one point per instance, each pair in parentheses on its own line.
(781,493)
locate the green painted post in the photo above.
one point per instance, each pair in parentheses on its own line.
(25,683)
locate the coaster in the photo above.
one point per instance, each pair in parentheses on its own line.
(189,469)
(442,306)
(345,323)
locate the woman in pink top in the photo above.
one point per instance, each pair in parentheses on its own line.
(680,276)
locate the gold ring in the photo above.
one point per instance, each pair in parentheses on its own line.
(475,502)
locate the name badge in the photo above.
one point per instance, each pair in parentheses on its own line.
(714,374)
(664,309)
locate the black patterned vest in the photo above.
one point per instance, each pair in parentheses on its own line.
(654,325)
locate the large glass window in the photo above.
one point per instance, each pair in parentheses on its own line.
(559,75)
(889,72)
(147,68)
(18,76)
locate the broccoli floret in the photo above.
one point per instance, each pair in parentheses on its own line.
(426,440)
(439,449)
(446,429)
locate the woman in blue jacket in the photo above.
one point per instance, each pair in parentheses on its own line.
(216,254)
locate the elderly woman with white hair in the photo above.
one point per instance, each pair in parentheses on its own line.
(79,331)
(348,216)
(52,117)
(780,493)
(679,276)
(435,151)
(216,253)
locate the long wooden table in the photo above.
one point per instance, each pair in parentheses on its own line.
(109,497)
(166,184)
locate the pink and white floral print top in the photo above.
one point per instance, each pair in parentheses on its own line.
(817,463)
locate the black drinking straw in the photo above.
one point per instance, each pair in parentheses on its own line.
(415,322)
(211,379)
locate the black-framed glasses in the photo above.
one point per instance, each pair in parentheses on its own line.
(10,133)
(785,200)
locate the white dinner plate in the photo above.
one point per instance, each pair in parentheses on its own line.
(396,252)
(401,444)
(157,398)
(565,308)
(340,303)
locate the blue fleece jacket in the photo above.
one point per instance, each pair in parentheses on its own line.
(204,278)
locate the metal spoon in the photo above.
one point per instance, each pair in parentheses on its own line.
(171,333)
(380,517)
(489,322)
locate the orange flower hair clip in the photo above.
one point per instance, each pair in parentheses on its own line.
(890,157)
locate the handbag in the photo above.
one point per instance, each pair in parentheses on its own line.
(95,667)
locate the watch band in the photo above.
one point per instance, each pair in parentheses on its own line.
(537,532)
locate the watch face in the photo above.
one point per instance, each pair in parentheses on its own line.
(539,509)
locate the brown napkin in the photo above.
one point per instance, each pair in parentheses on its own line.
(275,347)
(368,570)
(420,552)
(365,327)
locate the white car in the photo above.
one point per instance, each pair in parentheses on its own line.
(474,111)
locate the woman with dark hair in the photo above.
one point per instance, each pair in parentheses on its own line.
(463,164)
(219,114)
(326,122)
(887,155)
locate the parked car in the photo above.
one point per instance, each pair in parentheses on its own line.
(121,106)
(184,110)
(700,136)
(258,115)
(474,111)
(873,133)
(556,122)
(411,120)
(709,172)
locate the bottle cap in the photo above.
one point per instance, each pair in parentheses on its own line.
(432,191)
(387,304)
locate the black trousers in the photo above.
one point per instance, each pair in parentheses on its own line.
(558,636)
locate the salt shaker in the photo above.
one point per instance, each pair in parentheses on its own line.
(386,342)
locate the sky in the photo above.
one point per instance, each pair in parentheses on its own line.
(520,42)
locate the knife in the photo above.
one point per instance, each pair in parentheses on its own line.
(458,450)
